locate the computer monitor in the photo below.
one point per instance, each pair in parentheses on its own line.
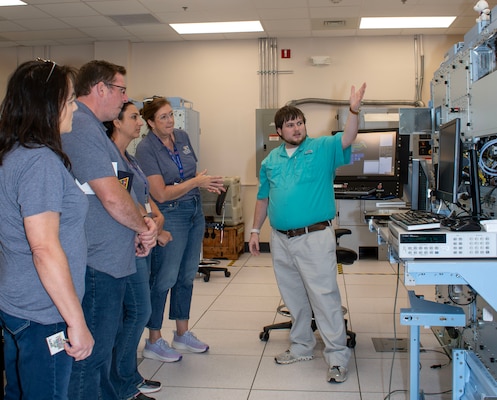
(374,157)
(449,161)
(421,182)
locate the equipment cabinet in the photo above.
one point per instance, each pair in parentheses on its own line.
(223,243)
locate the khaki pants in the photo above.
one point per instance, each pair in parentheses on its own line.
(306,272)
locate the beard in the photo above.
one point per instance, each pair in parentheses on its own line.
(294,142)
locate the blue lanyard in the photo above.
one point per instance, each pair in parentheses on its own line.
(134,165)
(175,157)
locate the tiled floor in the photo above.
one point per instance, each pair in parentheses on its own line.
(229,313)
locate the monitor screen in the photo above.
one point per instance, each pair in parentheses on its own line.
(421,183)
(449,161)
(374,154)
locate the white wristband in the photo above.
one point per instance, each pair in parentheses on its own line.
(255,230)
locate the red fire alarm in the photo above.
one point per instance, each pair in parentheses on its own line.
(285,53)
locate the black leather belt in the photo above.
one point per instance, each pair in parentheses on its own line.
(302,231)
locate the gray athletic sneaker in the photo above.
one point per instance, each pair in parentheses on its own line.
(288,358)
(337,374)
(188,341)
(160,351)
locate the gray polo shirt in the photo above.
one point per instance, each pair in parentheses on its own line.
(154,159)
(111,246)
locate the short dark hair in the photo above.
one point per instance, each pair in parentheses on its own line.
(151,107)
(37,92)
(287,113)
(94,72)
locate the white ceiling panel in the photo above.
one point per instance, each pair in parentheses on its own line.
(280,18)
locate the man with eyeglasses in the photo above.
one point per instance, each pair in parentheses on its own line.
(115,228)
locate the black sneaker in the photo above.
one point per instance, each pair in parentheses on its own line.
(149,386)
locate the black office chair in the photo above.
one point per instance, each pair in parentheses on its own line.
(207,266)
(345,256)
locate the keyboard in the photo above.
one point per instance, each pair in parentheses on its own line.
(415,220)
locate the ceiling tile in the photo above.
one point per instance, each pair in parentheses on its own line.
(280,18)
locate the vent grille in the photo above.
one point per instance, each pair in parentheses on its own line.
(321,24)
(338,23)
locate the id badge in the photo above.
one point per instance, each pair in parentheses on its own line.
(56,342)
(148,209)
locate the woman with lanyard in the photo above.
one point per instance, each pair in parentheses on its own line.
(167,158)
(127,381)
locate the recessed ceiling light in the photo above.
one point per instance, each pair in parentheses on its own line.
(5,3)
(405,22)
(218,27)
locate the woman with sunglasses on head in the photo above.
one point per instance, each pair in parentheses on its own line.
(42,239)
(167,158)
(128,382)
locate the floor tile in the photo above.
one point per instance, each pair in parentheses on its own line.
(210,371)
(230,313)
(303,375)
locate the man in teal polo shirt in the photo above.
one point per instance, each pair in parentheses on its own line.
(296,192)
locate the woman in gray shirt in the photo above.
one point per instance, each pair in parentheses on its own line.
(42,240)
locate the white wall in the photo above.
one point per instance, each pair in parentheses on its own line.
(220,78)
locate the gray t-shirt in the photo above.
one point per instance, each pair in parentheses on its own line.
(34,181)
(111,246)
(155,159)
(140,182)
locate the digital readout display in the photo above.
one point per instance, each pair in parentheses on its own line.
(423,238)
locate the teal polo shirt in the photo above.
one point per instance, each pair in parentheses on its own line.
(300,187)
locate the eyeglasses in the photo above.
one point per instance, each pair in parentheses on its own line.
(151,99)
(167,116)
(121,88)
(51,70)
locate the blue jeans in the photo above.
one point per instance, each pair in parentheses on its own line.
(175,265)
(31,372)
(137,309)
(102,306)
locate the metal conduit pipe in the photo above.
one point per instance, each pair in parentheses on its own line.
(261,86)
(274,48)
(265,73)
(268,71)
(419,65)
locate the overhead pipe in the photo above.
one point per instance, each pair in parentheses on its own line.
(419,79)
(331,102)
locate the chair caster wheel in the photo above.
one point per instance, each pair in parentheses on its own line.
(206,278)
(264,336)
(227,274)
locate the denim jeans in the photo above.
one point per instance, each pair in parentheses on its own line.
(31,372)
(137,309)
(102,306)
(175,265)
